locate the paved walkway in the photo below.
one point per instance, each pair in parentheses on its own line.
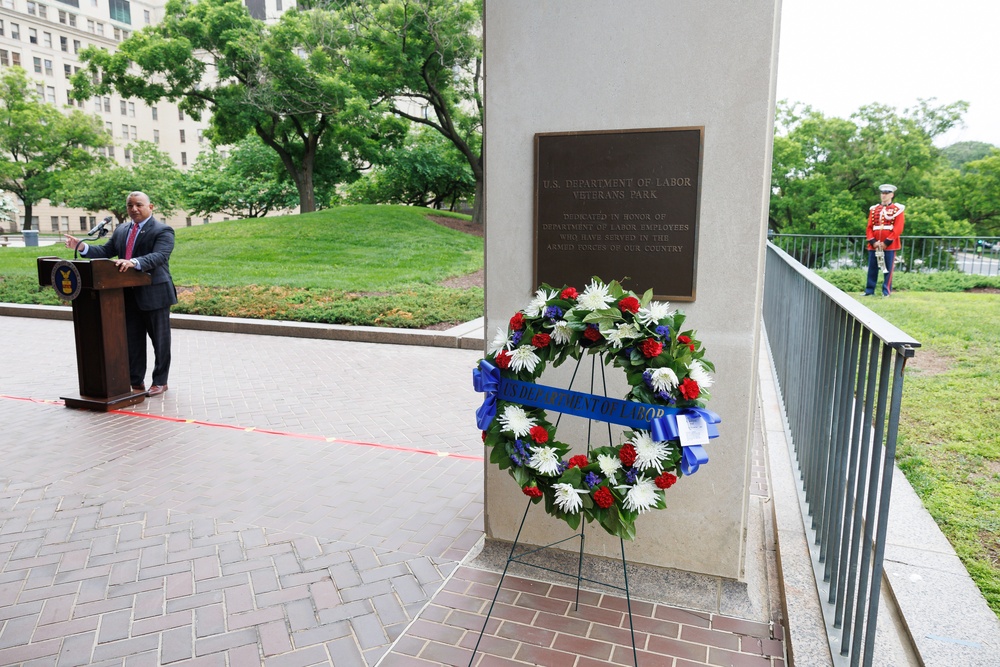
(287,502)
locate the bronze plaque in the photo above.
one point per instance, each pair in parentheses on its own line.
(621,205)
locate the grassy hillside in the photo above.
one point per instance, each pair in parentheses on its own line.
(357,264)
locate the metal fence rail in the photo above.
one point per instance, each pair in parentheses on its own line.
(920,254)
(840,373)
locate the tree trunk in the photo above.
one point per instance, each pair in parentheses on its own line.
(27,216)
(477,202)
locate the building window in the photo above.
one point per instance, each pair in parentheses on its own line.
(4,59)
(131,109)
(109,126)
(107,105)
(124,131)
(135,133)
(55,218)
(32,35)
(277,5)
(64,44)
(1,27)
(15,58)
(183,137)
(43,12)
(15,31)
(187,221)
(156,136)
(100,29)
(146,16)
(47,39)
(128,154)
(50,94)
(68,70)
(31,9)
(97,104)
(121,11)
(38,65)
(69,97)
(76,46)
(83,222)
(184,158)
(180,114)
(48,68)
(201,136)
(111,152)
(40,89)
(154,112)
(124,106)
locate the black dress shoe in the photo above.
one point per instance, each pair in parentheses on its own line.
(138,387)
(157,389)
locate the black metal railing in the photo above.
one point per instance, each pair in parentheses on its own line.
(921,254)
(839,368)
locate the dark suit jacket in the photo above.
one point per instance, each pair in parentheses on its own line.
(152,248)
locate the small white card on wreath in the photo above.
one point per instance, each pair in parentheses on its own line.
(692,429)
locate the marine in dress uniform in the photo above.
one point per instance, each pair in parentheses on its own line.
(885,227)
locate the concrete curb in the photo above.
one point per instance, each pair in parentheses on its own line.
(467,336)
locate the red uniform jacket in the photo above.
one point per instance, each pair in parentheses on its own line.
(885,224)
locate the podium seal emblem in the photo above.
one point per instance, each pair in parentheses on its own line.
(66,280)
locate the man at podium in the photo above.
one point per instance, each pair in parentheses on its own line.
(145,245)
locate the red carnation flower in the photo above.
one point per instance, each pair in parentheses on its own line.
(569,293)
(689,389)
(484,436)
(503,359)
(629,304)
(532,491)
(687,341)
(579,461)
(541,340)
(517,322)
(650,348)
(665,481)
(603,498)
(627,454)
(592,334)
(539,434)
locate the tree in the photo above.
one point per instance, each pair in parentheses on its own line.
(106,187)
(825,170)
(39,144)
(424,58)
(426,171)
(286,82)
(248,183)
(958,154)
(975,194)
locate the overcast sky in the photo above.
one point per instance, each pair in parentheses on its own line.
(837,55)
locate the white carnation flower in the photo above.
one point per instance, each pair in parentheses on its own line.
(594,297)
(534,308)
(499,341)
(545,460)
(621,334)
(524,357)
(561,332)
(568,498)
(654,312)
(609,465)
(641,497)
(663,379)
(700,374)
(648,453)
(516,420)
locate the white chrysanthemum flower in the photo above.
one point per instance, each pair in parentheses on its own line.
(534,308)
(648,453)
(568,498)
(621,334)
(561,332)
(700,374)
(524,357)
(545,460)
(594,297)
(499,341)
(663,379)
(609,465)
(516,420)
(654,312)
(641,497)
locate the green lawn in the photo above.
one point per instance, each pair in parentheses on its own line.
(949,438)
(375,265)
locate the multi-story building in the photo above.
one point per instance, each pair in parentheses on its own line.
(46,37)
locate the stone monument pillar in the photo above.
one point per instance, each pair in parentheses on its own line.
(603,66)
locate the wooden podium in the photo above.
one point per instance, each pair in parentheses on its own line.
(96,288)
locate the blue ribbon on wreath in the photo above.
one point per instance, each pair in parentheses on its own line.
(486,380)
(692,456)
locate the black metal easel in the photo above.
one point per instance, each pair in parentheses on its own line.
(511,558)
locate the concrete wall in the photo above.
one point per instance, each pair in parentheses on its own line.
(606,65)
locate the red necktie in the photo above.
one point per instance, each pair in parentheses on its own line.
(131,240)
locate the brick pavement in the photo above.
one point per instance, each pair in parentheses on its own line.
(288,502)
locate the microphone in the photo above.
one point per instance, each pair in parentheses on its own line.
(99,228)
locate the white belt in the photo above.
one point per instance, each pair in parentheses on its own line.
(889,227)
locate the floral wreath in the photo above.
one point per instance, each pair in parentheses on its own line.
(667,373)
